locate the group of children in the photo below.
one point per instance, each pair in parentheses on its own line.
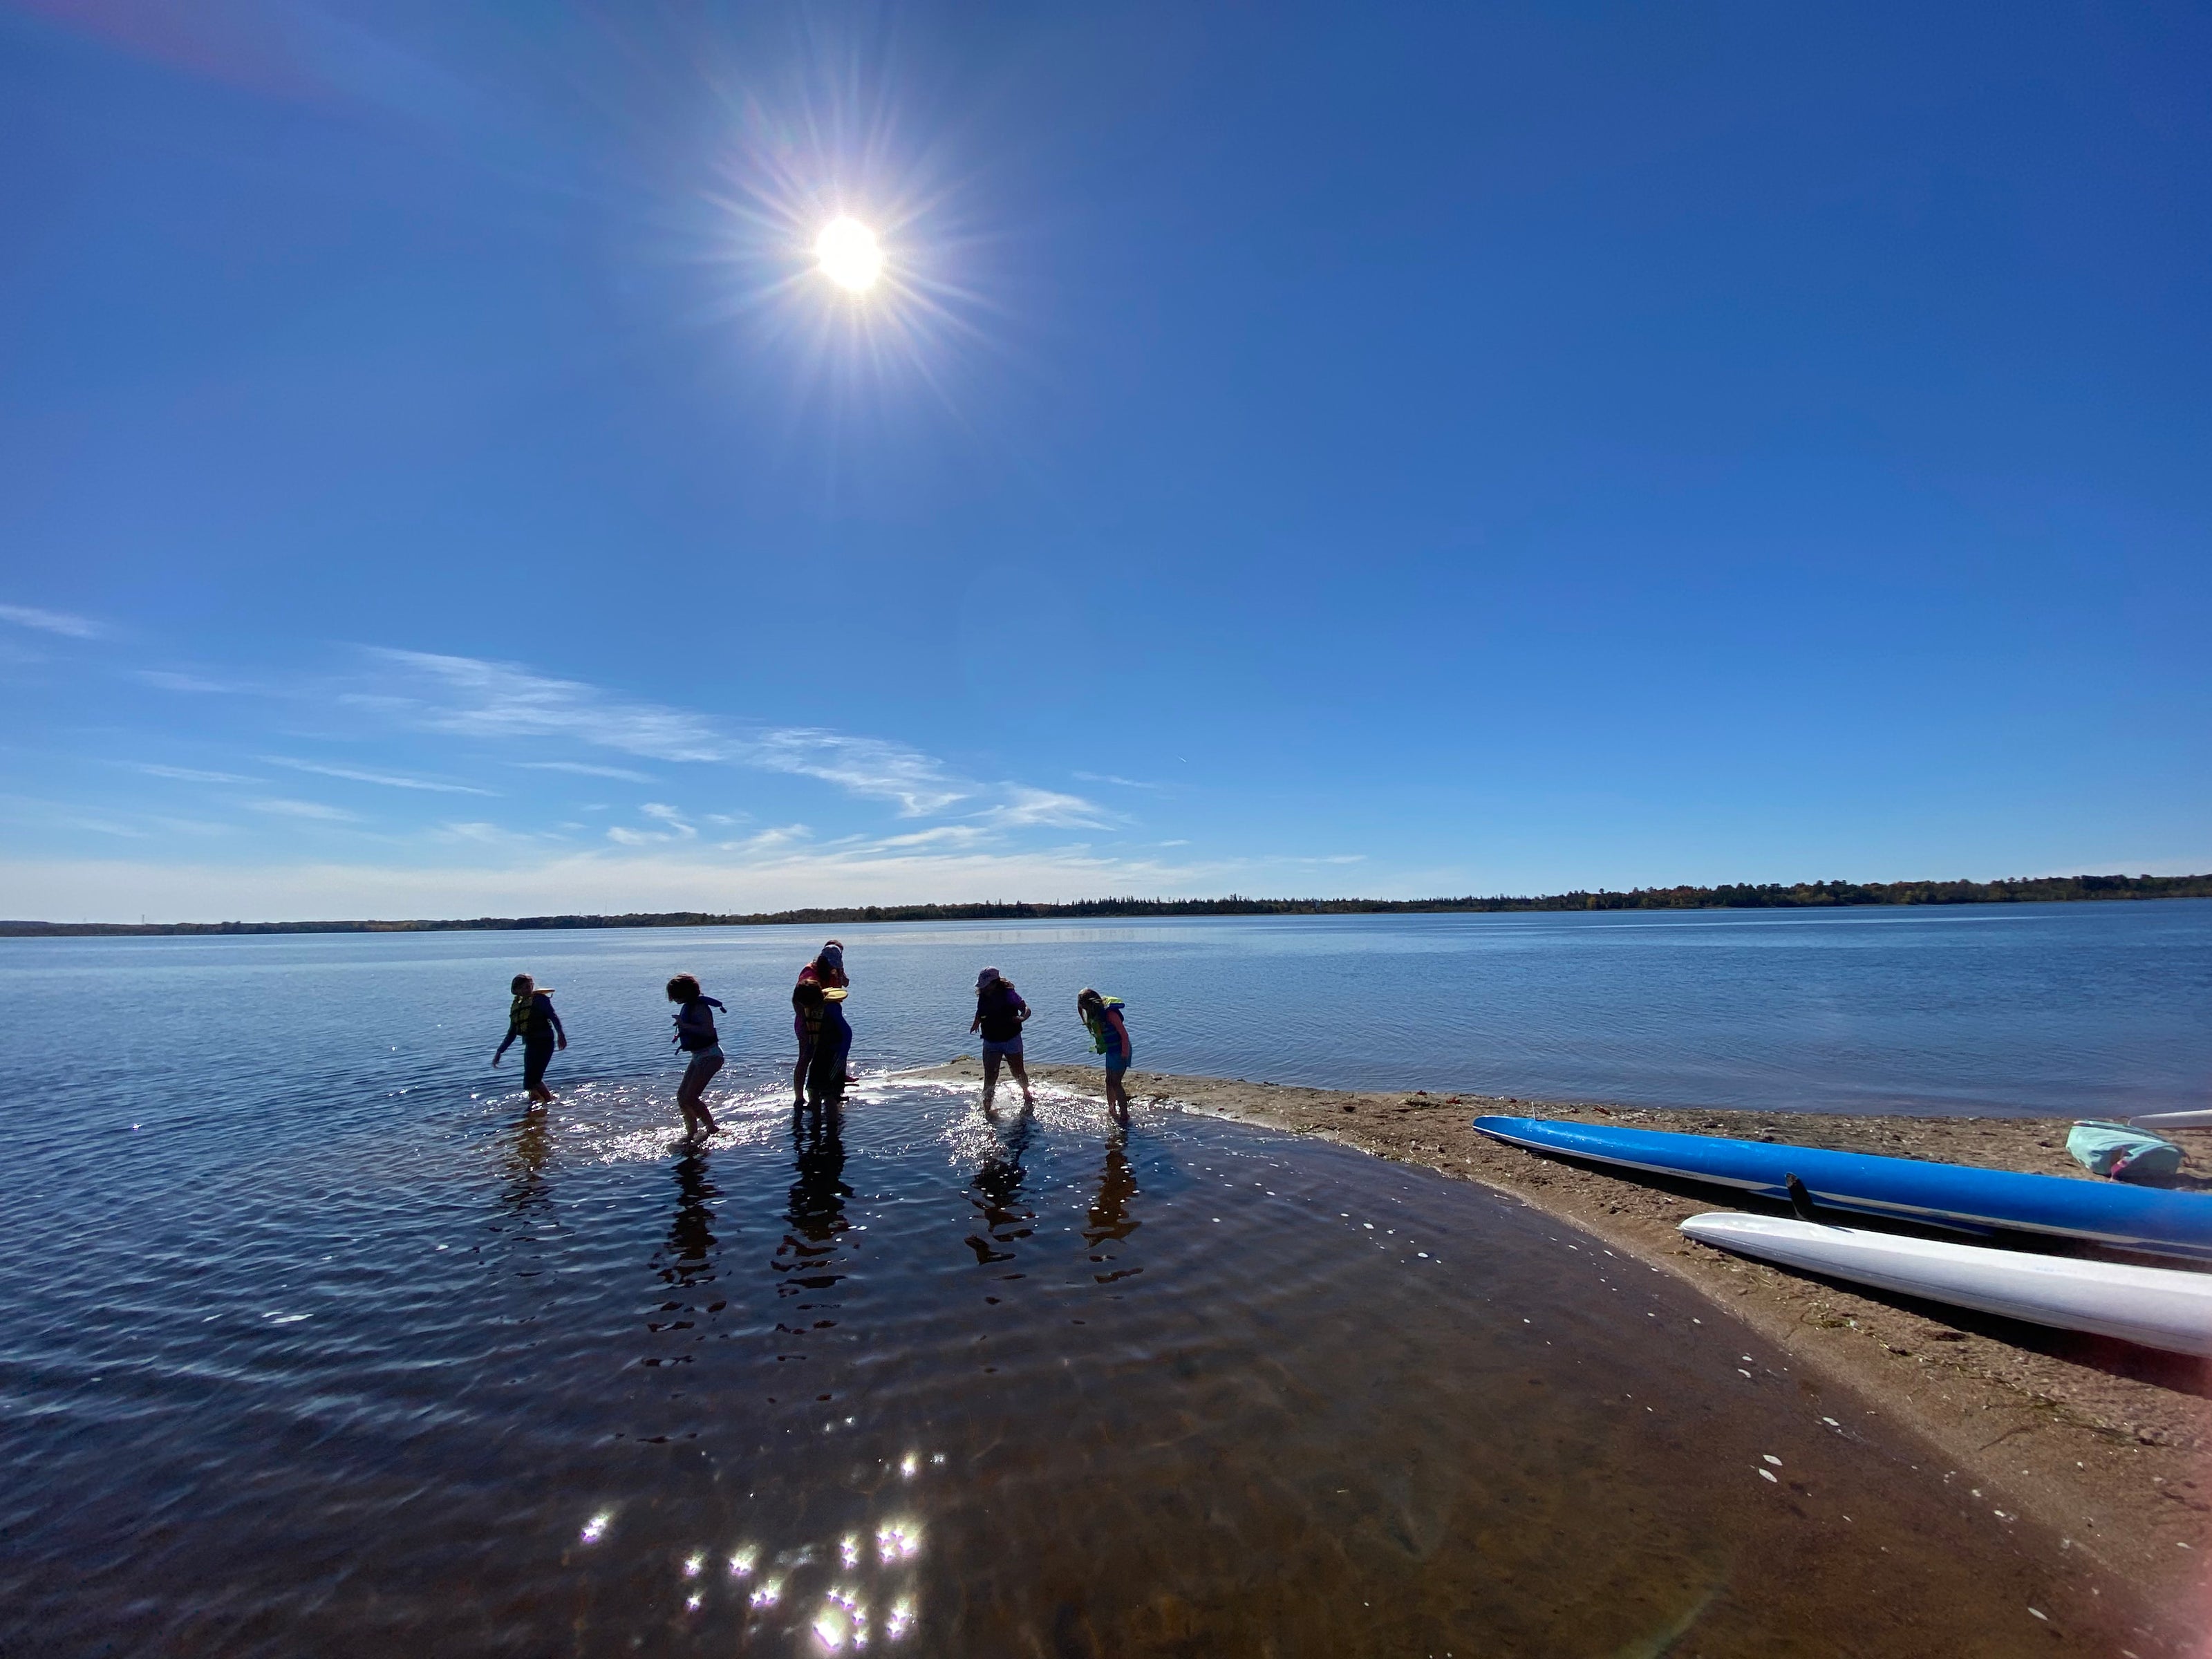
(825,1040)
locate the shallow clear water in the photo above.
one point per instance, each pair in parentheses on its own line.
(437,1373)
(312,1340)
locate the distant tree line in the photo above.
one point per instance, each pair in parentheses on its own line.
(1767,896)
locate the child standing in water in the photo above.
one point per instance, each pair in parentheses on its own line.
(1000,1012)
(825,973)
(826,1075)
(530,1017)
(696,1036)
(1109,1036)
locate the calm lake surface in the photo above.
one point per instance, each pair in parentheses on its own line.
(2086,1010)
(312,1340)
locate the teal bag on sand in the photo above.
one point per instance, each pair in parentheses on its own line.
(2111,1149)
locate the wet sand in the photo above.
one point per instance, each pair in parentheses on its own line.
(2104,1441)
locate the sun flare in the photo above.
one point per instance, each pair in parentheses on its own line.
(849,254)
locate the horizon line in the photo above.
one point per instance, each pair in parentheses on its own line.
(1804,895)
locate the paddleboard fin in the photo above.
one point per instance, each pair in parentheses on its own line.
(1801,1200)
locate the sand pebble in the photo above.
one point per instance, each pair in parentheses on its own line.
(1768,1474)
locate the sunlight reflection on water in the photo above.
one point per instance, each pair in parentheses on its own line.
(308,1366)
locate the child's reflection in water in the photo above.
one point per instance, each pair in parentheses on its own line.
(998,1192)
(1117,1185)
(816,1213)
(527,1192)
(1109,1220)
(689,1256)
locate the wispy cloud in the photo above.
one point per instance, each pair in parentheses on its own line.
(1108,777)
(489,834)
(768,840)
(303,809)
(136,826)
(189,774)
(772,878)
(585,769)
(389,780)
(471,697)
(54,622)
(198,684)
(865,766)
(943,835)
(675,827)
(1027,808)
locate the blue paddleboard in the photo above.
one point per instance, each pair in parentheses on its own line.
(1902,1189)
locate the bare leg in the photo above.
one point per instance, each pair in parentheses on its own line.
(990,1081)
(691,1098)
(799,1074)
(1014,1063)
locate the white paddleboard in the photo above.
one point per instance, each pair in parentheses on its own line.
(2158,1307)
(2173,1121)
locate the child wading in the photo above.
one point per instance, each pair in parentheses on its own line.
(809,1000)
(826,1076)
(1102,1017)
(696,1036)
(530,1017)
(1000,1012)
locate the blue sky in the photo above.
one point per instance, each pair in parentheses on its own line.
(1293,450)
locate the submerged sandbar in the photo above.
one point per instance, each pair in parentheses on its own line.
(2104,1441)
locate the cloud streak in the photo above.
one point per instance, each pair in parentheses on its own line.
(468,697)
(66,623)
(313,809)
(1027,808)
(776,875)
(388,780)
(473,697)
(190,774)
(914,782)
(585,770)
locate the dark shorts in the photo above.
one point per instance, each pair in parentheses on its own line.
(534,1056)
(1117,1064)
(1009,1049)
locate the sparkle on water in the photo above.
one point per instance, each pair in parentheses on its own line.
(927,1381)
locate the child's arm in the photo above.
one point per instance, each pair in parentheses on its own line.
(504,1043)
(1114,1017)
(559,1030)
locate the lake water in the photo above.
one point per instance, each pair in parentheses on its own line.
(2088,1010)
(431,1375)
(312,1340)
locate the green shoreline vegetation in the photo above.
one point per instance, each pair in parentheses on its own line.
(1769,896)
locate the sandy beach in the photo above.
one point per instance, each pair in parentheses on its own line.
(2101,1441)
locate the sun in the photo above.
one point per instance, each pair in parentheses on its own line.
(849,254)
